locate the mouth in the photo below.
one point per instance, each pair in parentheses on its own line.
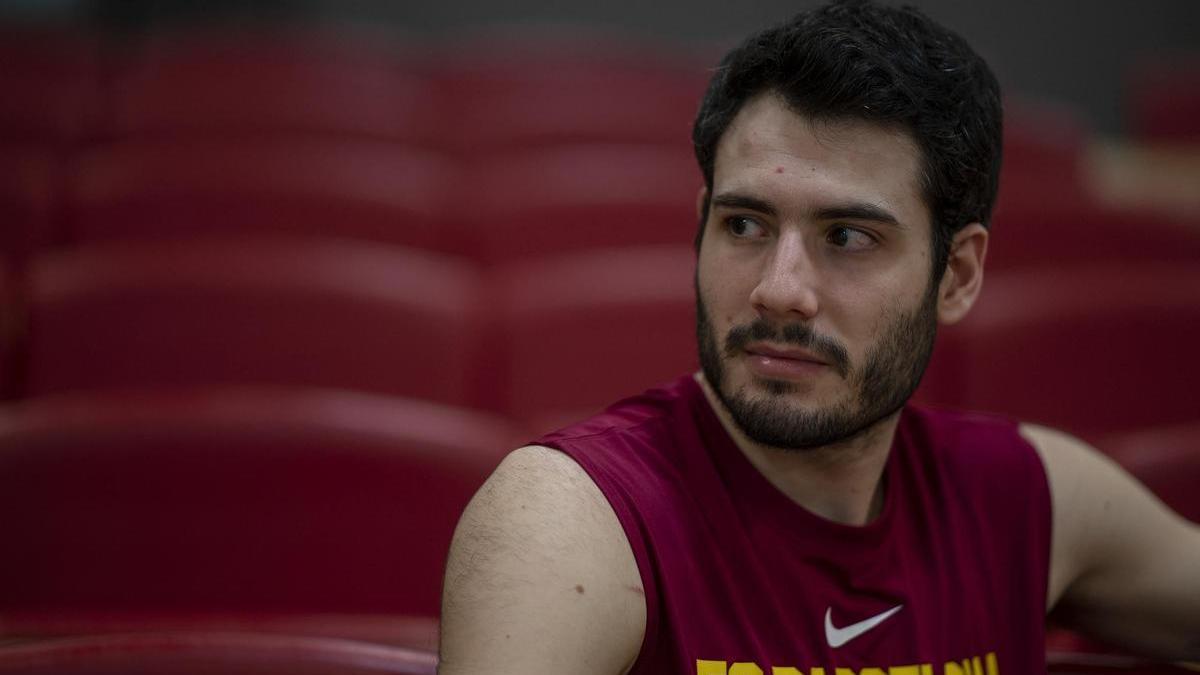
(785,354)
(784,363)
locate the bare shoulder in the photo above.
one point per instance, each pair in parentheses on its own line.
(540,576)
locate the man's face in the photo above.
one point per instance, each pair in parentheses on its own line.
(816,312)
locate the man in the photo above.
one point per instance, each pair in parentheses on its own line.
(784,511)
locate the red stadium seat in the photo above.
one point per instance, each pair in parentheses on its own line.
(235,500)
(1166,459)
(1094,350)
(329,313)
(413,632)
(1069,663)
(228,83)
(210,654)
(1055,235)
(503,95)
(556,200)
(580,331)
(50,81)
(356,189)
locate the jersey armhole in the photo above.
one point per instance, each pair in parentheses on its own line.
(1046,511)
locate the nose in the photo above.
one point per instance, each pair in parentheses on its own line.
(787,289)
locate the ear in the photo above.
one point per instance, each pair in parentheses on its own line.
(963,279)
(701,200)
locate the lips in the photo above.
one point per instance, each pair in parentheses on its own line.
(784,363)
(785,353)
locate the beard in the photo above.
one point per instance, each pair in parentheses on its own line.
(881,385)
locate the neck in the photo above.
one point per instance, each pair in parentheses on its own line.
(842,482)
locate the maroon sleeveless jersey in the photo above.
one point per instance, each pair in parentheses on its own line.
(949,579)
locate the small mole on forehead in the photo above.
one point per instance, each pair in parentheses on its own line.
(578,588)
(779,169)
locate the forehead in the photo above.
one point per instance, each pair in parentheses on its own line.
(792,161)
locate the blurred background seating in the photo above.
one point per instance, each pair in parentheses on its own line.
(330,313)
(199,653)
(277,295)
(349,188)
(541,202)
(212,500)
(228,82)
(1093,350)
(580,331)
(599,90)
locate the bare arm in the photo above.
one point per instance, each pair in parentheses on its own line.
(541,578)
(1124,566)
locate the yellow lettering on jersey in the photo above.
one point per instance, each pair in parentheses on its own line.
(987,664)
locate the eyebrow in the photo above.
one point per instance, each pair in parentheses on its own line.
(733,200)
(859,211)
(847,211)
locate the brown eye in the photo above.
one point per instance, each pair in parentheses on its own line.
(839,236)
(743,227)
(849,238)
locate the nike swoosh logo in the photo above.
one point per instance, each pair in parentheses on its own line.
(836,637)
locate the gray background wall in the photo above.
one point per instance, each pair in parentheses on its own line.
(1074,51)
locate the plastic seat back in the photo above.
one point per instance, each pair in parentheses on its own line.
(235,500)
(1093,350)
(227,82)
(584,330)
(210,654)
(546,202)
(300,312)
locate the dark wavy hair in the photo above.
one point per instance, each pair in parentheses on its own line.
(889,65)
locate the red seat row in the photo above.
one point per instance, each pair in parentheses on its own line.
(339,313)
(489,93)
(235,499)
(199,653)
(204,653)
(489,209)
(392,629)
(525,203)
(1096,349)
(329,313)
(473,148)
(321,512)
(477,91)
